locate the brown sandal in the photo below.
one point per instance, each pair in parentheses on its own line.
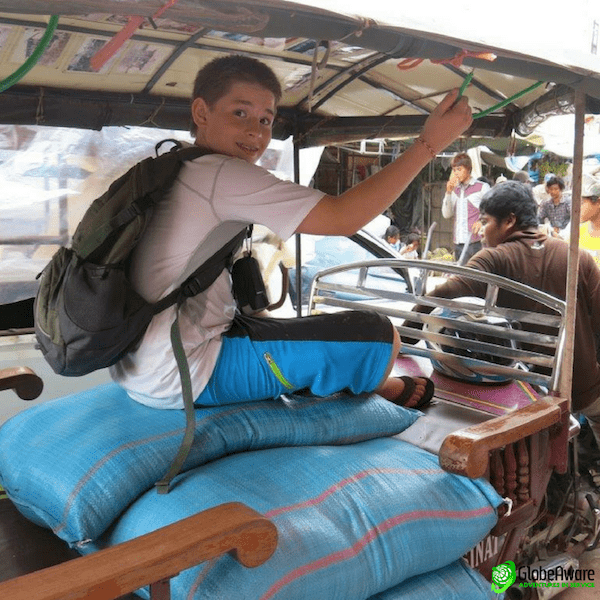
(409,389)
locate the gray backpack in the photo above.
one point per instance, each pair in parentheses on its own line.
(87,315)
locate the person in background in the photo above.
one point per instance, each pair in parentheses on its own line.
(501,179)
(589,230)
(557,210)
(392,237)
(411,250)
(463,194)
(515,248)
(540,193)
(522,177)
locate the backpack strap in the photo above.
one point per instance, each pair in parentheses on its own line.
(200,280)
(95,240)
(162,486)
(206,274)
(197,282)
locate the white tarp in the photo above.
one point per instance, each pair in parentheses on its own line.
(561,36)
(50,175)
(557,134)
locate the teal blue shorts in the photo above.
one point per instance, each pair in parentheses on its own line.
(263,358)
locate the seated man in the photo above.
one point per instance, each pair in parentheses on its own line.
(516,249)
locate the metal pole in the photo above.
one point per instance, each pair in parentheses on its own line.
(566,377)
(298,239)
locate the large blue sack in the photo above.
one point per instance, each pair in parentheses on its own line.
(457,581)
(74,464)
(353,521)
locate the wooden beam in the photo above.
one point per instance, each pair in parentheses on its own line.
(153,557)
(26,384)
(466,452)
(566,375)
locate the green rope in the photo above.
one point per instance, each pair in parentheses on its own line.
(34,58)
(483,113)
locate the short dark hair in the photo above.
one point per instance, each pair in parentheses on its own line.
(462,159)
(512,197)
(556,181)
(391,231)
(215,78)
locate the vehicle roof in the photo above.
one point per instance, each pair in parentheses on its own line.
(356,87)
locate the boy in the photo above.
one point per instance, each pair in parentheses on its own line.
(234,358)
(411,250)
(392,237)
(463,194)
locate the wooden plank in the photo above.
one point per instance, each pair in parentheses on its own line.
(466,452)
(163,553)
(26,384)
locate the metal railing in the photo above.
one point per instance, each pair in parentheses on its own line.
(509,329)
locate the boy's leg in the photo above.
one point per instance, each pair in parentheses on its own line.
(264,358)
(391,388)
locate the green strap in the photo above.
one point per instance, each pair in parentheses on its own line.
(33,58)
(503,103)
(188,403)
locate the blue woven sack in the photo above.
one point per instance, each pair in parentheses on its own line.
(457,581)
(353,521)
(75,463)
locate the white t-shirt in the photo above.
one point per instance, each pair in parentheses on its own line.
(213,199)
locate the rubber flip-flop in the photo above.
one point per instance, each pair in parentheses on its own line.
(409,388)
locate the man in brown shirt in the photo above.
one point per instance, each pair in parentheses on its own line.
(514,248)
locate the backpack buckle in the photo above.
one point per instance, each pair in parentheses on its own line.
(191,288)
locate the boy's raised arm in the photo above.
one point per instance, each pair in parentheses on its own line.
(348,212)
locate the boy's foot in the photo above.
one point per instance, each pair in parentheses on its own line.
(411,392)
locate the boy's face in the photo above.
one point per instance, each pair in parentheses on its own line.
(239,124)
(461,173)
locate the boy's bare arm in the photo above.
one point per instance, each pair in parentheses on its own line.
(345,214)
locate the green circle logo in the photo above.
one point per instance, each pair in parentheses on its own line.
(503,576)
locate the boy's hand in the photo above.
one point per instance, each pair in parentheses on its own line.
(447,121)
(452,183)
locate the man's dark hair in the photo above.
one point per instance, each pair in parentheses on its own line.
(556,181)
(215,78)
(462,159)
(511,197)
